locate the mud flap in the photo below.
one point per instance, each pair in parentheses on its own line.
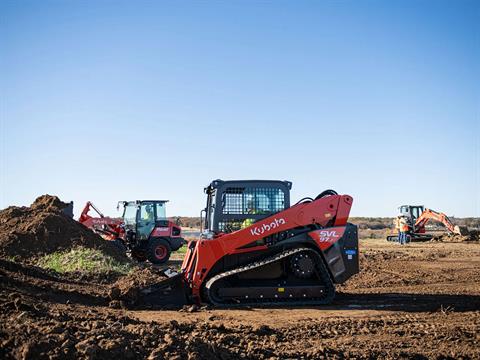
(342,257)
(172,292)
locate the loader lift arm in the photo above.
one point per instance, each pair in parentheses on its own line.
(84,215)
(108,228)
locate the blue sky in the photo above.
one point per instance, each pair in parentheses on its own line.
(115,100)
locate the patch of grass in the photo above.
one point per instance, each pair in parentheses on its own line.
(90,261)
(182,250)
(12,258)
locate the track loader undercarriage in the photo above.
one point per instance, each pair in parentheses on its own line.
(292,288)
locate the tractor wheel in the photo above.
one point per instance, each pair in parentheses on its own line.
(158,251)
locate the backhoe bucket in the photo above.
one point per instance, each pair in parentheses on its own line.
(461,230)
(172,292)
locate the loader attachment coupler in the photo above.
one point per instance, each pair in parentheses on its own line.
(172,292)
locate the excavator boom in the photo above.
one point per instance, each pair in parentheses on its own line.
(429,214)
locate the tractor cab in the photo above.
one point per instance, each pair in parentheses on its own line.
(234,205)
(148,232)
(143,216)
(413,212)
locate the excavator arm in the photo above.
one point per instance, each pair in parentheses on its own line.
(429,214)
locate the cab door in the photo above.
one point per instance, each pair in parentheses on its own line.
(145,220)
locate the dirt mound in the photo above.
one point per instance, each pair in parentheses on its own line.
(49,287)
(43,228)
(48,203)
(127,289)
(473,235)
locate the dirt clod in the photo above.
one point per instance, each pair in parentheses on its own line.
(128,287)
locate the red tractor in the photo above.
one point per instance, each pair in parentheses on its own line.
(256,249)
(143,229)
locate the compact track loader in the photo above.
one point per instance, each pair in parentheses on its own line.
(257,249)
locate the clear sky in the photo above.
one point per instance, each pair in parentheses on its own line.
(116,100)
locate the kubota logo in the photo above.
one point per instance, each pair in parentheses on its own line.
(260,230)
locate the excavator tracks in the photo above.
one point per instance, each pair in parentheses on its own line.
(278,292)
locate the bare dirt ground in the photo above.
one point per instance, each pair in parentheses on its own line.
(417,301)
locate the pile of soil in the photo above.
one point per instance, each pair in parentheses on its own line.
(473,235)
(43,228)
(127,289)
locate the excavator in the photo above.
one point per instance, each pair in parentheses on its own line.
(418,216)
(256,249)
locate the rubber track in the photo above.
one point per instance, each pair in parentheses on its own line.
(325,278)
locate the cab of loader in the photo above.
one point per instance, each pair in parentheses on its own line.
(234,204)
(148,233)
(141,216)
(413,212)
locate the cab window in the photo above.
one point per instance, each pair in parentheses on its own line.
(243,201)
(130,214)
(146,212)
(161,214)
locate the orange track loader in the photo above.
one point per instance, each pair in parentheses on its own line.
(256,249)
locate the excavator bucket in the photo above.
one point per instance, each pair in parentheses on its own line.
(172,292)
(461,230)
